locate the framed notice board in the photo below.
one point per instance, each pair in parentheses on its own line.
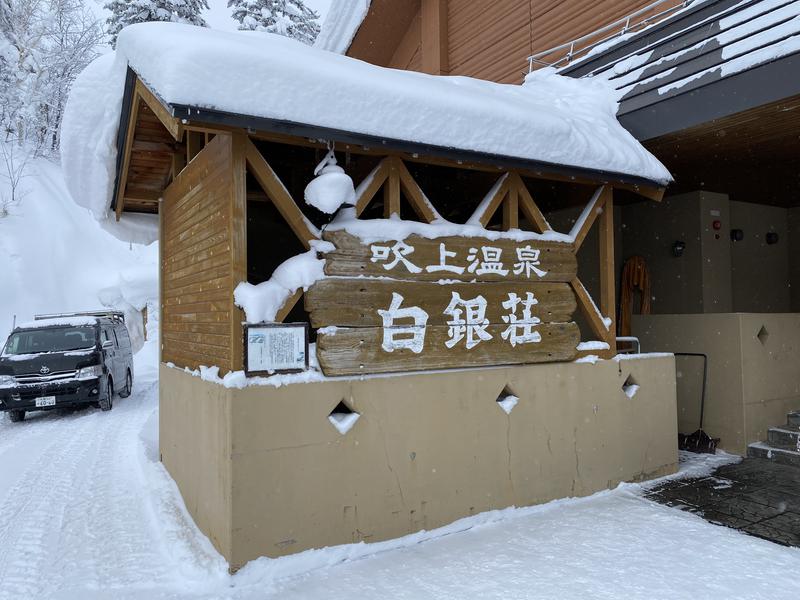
(271,348)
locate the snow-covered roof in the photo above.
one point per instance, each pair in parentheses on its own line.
(702,45)
(549,119)
(341,25)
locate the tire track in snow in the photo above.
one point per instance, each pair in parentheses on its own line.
(76,518)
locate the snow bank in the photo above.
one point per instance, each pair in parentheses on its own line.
(56,258)
(550,118)
(341,25)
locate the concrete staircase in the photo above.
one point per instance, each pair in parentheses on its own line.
(783,443)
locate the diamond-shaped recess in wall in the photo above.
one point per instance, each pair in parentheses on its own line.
(343,418)
(507,400)
(762,335)
(630,387)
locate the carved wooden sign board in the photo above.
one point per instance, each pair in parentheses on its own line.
(450,302)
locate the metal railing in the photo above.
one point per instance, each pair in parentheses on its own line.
(581,46)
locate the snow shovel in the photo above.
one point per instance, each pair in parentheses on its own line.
(699,441)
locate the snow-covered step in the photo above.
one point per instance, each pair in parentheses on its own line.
(782,437)
(779,455)
(793,420)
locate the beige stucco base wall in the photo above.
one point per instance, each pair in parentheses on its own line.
(264,472)
(752,381)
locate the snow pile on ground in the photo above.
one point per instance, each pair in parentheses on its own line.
(56,258)
(552,119)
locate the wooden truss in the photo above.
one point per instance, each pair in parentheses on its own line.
(509,194)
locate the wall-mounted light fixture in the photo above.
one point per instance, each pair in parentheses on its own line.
(678,248)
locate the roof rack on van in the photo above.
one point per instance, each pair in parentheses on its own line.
(114,315)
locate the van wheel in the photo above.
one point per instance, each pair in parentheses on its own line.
(107,402)
(15,416)
(126,391)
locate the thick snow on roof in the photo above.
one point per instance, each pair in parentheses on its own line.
(550,118)
(340,26)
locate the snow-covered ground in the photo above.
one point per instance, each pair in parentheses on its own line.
(87,511)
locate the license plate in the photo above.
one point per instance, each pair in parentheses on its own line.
(45,401)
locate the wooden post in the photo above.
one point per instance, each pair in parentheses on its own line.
(391,192)
(608,285)
(511,210)
(434,37)
(238,238)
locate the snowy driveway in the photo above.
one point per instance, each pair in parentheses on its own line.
(87,512)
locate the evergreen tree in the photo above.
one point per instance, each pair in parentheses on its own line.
(128,12)
(291,18)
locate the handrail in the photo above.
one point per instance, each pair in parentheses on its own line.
(627,24)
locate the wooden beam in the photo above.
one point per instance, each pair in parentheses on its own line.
(238,242)
(511,209)
(169,122)
(369,187)
(593,315)
(279,195)
(587,218)
(391,192)
(653,192)
(287,307)
(434,37)
(414,194)
(608,285)
(528,206)
(491,202)
(195,141)
(119,202)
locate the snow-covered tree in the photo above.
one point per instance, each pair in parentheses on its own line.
(291,18)
(44,44)
(128,12)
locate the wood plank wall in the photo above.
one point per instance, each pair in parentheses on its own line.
(201,260)
(492,40)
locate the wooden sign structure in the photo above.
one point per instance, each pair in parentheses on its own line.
(450,302)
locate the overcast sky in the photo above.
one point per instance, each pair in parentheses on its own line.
(219,15)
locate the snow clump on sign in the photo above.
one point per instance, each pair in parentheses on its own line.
(262,302)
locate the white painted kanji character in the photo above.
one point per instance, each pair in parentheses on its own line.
(398,252)
(400,337)
(520,331)
(490,262)
(443,266)
(471,325)
(528,261)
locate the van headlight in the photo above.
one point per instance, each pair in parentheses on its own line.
(7,381)
(92,372)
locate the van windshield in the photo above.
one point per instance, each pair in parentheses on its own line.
(50,339)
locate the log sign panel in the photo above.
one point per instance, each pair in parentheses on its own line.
(450,302)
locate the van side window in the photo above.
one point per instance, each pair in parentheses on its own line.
(116,341)
(105,335)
